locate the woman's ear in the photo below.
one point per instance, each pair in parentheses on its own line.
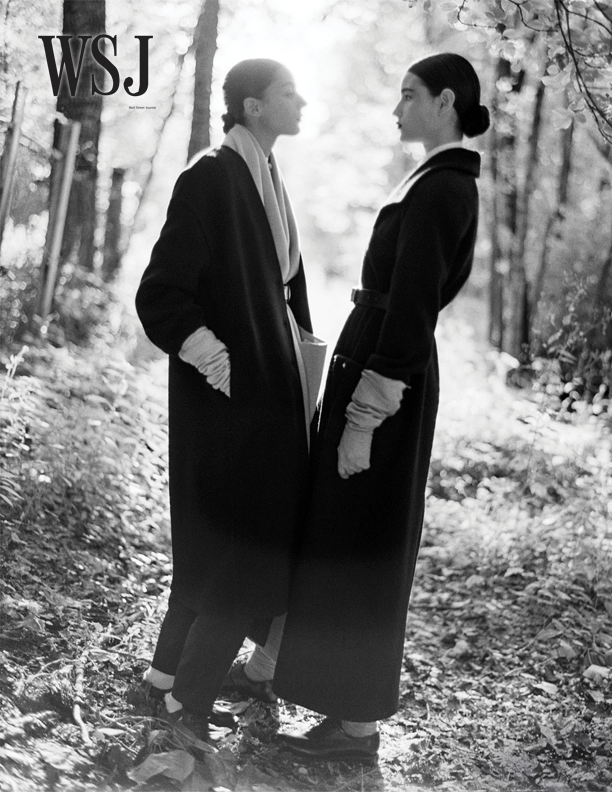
(251,107)
(447,100)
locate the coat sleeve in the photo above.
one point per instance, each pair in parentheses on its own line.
(167,298)
(439,213)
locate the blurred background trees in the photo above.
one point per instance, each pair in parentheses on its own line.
(86,107)
(542,284)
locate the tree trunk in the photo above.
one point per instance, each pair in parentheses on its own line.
(506,198)
(554,224)
(603,295)
(519,293)
(602,286)
(496,281)
(205,49)
(84,18)
(530,175)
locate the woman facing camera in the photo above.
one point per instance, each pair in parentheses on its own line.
(225,296)
(342,649)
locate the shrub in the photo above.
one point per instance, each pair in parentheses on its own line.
(575,363)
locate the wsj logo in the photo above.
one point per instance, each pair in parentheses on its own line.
(67,64)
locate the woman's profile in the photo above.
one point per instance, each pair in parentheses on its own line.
(342,650)
(225,296)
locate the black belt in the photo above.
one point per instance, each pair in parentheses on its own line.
(370,297)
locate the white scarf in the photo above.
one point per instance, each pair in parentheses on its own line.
(272,191)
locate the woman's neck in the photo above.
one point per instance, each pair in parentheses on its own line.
(265,138)
(451,136)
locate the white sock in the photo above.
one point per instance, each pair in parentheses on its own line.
(172,705)
(261,664)
(360,728)
(259,667)
(158,679)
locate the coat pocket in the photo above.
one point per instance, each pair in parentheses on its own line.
(346,373)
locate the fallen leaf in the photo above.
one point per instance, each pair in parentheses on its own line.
(548,735)
(567,651)
(550,631)
(596,673)
(106,731)
(199,781)
(548,687)
(222,767)
(238,707)
(252,779)
(460,649)
(177,765)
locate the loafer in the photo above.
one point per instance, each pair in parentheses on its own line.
(328,741)
(238,684)
(220,716)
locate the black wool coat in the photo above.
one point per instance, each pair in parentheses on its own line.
(238,466)
(343,643)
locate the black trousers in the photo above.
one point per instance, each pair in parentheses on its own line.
(198,648)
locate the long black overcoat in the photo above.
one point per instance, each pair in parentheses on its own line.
(342,649)
(238,466)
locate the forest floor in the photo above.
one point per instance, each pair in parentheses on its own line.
(507,682)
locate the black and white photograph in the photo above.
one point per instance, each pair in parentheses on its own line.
(306,395)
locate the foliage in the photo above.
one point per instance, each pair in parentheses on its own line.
(84,304)
(13,438)
(87,458)
(19,279)
(86,308)
(577,34)
(578,344)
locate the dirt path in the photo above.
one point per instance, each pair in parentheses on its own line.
(509,641)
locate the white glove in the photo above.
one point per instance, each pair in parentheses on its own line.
(374,399)
(354,451)
(210,356)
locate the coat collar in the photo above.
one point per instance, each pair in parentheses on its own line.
(457,159)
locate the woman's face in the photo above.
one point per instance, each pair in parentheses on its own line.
(281,106)
(417,111)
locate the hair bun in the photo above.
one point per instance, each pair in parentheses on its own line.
(229,120)
(476,122)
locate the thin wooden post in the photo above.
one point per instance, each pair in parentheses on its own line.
(57,216)
(9,156)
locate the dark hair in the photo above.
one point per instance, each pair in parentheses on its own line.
(449,70)
(249,78)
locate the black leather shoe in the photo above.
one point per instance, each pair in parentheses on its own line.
(238,684)
(328,740)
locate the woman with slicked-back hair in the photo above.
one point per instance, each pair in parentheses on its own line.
(342,649)
(225,296)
